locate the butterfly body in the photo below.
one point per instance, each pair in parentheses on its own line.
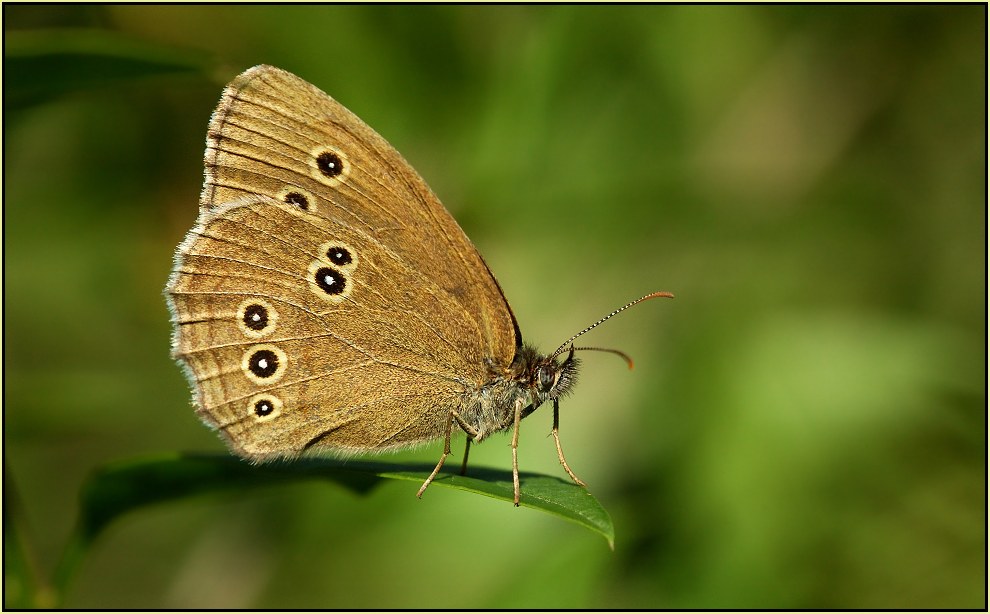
(531,380)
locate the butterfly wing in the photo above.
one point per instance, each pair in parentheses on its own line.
(326,297)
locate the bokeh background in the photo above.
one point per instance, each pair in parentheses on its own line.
(806,423)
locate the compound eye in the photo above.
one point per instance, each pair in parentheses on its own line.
(546,377)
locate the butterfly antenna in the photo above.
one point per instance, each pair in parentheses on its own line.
(564,345)
(618,353)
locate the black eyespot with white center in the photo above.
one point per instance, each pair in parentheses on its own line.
(330,280)
(330,164)
(255,317)
(263,363)
(298,199)
(263,407)
(339,255)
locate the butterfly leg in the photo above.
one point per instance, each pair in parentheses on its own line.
(560,452)
(515,453)
(471,434)
(467,449)
(443,457)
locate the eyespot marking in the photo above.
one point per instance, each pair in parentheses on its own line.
(339,255)
(298,198)
(329,165)
(256,318)
(329,282)
(264,407)
(264,364)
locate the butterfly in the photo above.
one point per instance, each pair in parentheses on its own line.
(326,300)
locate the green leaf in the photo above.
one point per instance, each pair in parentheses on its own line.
(547,493)
(40,65)
(125,486)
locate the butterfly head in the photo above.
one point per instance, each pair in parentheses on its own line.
(552,378)
(539,378)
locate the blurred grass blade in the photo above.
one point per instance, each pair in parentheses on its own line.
(25,586)
(41,65)
(125,486)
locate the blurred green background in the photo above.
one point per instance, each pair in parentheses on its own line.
(805,426)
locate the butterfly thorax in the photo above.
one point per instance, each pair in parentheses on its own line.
(530,380)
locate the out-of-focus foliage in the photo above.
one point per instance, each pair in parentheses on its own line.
(806,423)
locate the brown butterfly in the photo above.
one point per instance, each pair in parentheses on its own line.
(325,298)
